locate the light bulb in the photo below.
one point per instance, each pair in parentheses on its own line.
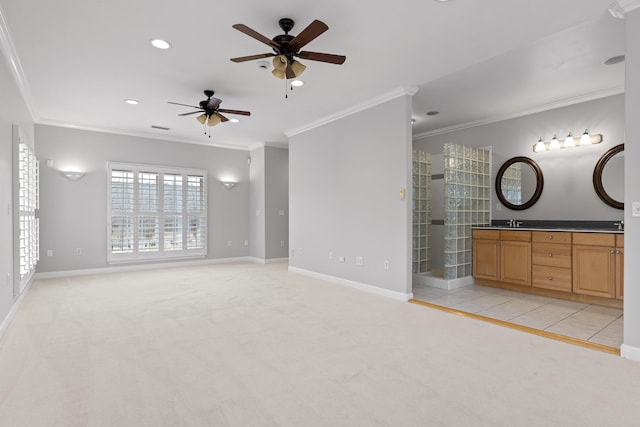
(539,146)
(585,139)
(569,142)
(554,144)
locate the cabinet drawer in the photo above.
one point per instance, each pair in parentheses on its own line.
(594,239)
(551,278)
(515,236)
(486,234)
(551,237)
(551,254)
(620,240)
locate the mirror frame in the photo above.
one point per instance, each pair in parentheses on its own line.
(539,183)
(597,177)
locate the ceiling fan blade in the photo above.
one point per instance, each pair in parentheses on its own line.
(213,103)
(252,57)
(312,31)
(256,35)
(322,57)
(188,114)
(184,105)
(223,118)
(289,72)
(242,113)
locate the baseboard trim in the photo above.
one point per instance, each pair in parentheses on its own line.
(14,309)
(629,352)
(356,285)
(124,268)
(268,261)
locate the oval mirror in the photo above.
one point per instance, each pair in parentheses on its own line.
(608,177)
(519,183)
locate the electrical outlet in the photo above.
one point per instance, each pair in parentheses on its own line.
(258,212)
(281,212)
(635,209)
(293,253)
(246,243)
(341,259)
(359,260)
(330,255)
(49,252)
(386,264)
(229,243)
(78,251)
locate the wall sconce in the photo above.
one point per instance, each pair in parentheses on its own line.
(228,184)
(568,142)
(72,175)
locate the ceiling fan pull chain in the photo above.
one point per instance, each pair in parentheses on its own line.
(286,87)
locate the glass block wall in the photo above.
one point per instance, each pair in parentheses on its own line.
(467,174)
(512,183)
(421,212)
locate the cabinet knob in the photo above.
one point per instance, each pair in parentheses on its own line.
(549,237)
(550,254)
(550,277)
(612,251)
(618,252)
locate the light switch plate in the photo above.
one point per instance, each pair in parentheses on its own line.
(635,209)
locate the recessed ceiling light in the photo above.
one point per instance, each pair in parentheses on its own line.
(160,44)
(297,83)
(433,113)
(614,60)
(234,120)
(132,101)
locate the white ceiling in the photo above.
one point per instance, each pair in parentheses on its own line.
(474,61)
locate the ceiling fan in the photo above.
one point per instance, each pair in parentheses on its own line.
(286,47)
(210,111)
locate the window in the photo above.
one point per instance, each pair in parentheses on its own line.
(156,212)
(28,201)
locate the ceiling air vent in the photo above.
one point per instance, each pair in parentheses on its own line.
(159,127)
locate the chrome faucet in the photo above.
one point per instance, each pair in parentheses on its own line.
(620,225)
(514,224)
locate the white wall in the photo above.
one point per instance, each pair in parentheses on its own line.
(568,192)
(12,111)
(257,197)
(344,184)
(632,190)
(269,196)
(276,202)
(73,214)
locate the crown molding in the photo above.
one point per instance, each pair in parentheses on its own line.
(69,125)
(621,7)
(538,109)
(355,109)
(10,54)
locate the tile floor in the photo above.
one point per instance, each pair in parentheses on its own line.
(593,323)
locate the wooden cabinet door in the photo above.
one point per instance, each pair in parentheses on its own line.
(620,273)
(485,259)
(594,270)
(515,262)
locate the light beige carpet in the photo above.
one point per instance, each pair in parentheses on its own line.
(254,345)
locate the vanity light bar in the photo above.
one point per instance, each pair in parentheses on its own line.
(556,143)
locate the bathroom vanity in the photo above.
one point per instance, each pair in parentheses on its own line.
(577,264)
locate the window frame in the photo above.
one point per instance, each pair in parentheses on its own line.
(162,252)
